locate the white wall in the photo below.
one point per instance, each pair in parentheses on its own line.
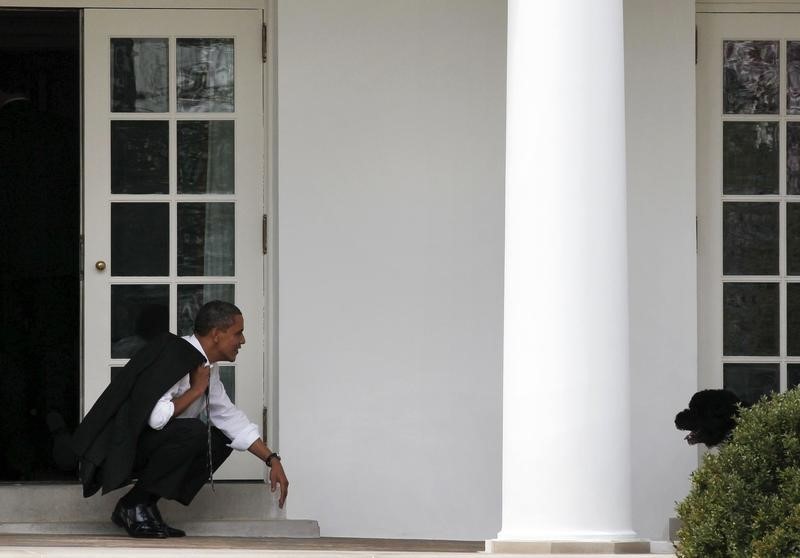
(660,100)
(391,161)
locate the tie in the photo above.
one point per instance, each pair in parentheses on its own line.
(208,455)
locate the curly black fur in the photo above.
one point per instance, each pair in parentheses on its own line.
(710,417)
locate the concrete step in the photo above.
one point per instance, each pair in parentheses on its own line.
(283,528)
(232,509)
(56,503)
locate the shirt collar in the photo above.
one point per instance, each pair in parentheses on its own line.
(195,342)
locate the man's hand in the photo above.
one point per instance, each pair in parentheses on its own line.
(198,382)
(278,477)
(199,377)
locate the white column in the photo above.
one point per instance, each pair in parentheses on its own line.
(566,449)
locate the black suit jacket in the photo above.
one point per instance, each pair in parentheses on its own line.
(106,439)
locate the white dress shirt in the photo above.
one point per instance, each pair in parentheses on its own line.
(222,412)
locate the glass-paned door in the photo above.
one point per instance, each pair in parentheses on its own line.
(748,171)
(174,197)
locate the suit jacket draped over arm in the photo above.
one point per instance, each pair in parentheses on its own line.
(106,439)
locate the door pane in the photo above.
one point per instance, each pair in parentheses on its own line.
(227,375)
(139,157)
(139,239)
(793,238)
(139,75)
(750,157)
(205,75)
(793,77)
(192,297)
(751,71)
(792,376)
(205,157)
(138,314)
(206,239)
(750,319)
(793,158)
(793,319)
(750,238)
(750,381)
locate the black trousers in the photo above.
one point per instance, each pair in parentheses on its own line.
(172,462)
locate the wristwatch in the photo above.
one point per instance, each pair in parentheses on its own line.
(272,456)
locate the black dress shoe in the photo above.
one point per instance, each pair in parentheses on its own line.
(138,521)
(171,531)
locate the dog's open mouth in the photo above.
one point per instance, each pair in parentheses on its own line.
(691,437)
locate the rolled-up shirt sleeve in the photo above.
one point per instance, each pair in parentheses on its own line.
(162,412)
(228,418)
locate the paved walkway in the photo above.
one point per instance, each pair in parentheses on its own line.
(63,546)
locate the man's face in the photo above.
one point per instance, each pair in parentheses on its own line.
(229,341)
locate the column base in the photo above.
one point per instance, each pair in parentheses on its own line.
(568,547)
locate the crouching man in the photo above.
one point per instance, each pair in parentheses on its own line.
(146,425)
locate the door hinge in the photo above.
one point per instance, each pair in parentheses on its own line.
(264,425)
(81,257)
(264,43)
(264,234)
(697,235)
(695,45)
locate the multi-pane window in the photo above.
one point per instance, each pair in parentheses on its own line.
(172,185)
(760,216)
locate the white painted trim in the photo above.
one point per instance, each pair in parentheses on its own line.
(270,89)
(749,6)
(139,4)
(748,2)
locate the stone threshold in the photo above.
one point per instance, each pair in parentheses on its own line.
(51,545)
(78,546)
(637,547)
(282,528)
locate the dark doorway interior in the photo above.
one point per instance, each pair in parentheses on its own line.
(40,238)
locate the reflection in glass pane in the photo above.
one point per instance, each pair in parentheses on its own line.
(792,77)
(750,319)
(139,157)
(793,319)
(227,375)
(206,239)
(139,313)
(793,238)
(750,238)
(205,157)
(192,297)
(139,239)
(793,158)
(792,376)
(750,157)
(205,75)
(139,75)
(751,70)
(750,381)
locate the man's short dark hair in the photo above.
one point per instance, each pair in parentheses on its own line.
(215,314)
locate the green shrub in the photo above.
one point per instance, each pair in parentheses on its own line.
(745,499)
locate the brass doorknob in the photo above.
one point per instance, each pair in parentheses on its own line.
(100,265)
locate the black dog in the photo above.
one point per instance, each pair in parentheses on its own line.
(710,417)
